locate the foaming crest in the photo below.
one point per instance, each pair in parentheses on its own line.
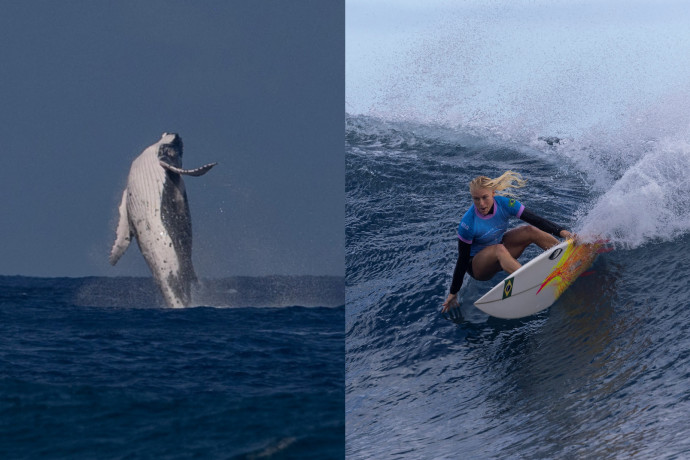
(651,201)
(638,174)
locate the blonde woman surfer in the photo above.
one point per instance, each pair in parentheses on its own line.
(485,245)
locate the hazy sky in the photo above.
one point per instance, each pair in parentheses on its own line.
(257,86)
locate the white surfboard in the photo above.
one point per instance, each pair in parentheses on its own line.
(537,284)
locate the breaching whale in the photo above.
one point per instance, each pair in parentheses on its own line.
(154,209)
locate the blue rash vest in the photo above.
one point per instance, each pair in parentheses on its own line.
(482,231)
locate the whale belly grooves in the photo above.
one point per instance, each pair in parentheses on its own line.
(146,187)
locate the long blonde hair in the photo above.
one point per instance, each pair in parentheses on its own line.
(503,183)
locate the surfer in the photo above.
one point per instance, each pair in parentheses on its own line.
(485,245)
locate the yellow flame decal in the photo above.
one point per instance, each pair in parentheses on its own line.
(575,260)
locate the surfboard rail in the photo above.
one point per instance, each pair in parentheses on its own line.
(540,282)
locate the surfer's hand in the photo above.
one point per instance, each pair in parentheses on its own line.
(451,302)
(574,236)
(567,235)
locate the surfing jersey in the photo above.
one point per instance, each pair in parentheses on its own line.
(482,231)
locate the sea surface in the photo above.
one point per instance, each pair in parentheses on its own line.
(100,368)
(603,373)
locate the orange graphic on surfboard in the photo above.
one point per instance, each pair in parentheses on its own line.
(577,259)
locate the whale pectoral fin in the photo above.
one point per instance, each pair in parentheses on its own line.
(189,172)
(124,234)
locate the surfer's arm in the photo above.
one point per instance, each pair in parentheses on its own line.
(460,266)
(544,224)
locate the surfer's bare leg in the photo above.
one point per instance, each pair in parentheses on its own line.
(492,260)
(517,239)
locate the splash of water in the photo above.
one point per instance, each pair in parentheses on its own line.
(650,202)
(638,173)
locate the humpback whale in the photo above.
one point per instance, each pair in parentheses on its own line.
(155,211)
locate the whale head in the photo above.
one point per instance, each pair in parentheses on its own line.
(170,149)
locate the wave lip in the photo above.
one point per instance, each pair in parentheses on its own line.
(650,201)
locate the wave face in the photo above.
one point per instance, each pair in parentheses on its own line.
(600,374)
(99,368)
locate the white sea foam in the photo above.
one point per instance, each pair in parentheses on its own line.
(639,174)
(650,201)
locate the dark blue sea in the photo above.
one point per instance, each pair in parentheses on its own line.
(100,368)
(603,373)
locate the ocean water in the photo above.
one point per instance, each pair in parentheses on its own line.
(99,368)
(603,373)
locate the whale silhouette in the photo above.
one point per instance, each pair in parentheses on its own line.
(154,210)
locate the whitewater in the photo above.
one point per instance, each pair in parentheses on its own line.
(589,103)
